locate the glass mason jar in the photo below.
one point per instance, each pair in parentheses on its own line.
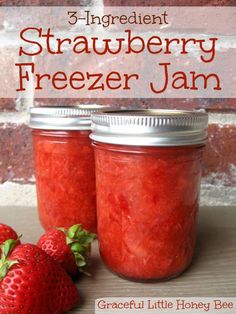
(64,166)
(148,171)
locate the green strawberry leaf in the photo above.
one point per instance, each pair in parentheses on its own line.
(73,231)
(5,263)
(75,247)
(87,238)
(3,271)
(79,241)
(8,246)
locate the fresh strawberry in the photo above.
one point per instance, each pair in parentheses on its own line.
(70,247)
(6,233)
(32,282)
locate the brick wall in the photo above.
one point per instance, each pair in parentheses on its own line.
(16,162)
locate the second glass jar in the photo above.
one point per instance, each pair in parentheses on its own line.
(64,166)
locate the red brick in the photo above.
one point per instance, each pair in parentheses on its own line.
(114,102)
(41,102)
(220,157)
(8,77)
(7,104)
(170,3)
(120,3)
(210,104)
(16,162)
(39,3)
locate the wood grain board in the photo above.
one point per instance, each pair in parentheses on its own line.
(212,273)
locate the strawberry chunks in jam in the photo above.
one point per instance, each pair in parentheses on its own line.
(65,178)
(147,203)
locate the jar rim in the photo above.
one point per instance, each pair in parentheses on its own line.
(150,127)
(63,117)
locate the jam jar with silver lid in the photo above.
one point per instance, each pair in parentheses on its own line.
(64,166)
(148,172)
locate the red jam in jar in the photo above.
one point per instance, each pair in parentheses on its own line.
(148,171)
(64,166)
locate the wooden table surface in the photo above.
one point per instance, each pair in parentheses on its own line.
(213,272)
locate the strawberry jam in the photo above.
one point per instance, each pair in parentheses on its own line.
(147,195)
(65,176)
(64,166)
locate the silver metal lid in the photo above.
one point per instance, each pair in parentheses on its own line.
(63,118)
(150,127)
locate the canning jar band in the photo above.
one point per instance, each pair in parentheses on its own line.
(150,127)
(63,118)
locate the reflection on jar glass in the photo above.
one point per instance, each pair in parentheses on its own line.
(148,171)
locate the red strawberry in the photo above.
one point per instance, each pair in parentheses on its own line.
(6,233)
(32,282)
(70,247)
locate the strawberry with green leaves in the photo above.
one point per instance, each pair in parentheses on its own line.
(32,282)
(6,233)
(70,247)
